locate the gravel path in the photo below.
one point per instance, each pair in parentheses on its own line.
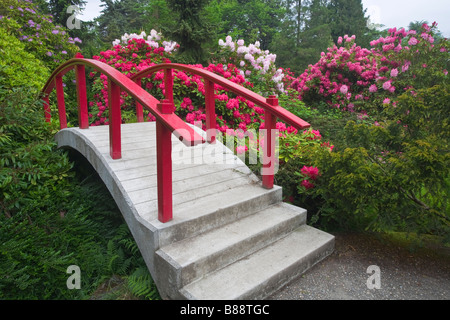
(423,274)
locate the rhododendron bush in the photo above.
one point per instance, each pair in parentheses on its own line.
(357,79)
(133,53)
(391,172)
(255,64)
(138,52)
(48,42)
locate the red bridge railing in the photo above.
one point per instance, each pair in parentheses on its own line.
(167,122)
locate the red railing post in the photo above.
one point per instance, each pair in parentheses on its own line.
(115,120)
(61,102)
(269,145)
(210,111)
(168,84)
(139,110)
(164,164)
(83,117)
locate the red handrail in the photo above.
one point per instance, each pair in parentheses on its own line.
(270,105)
(211,77)
(166,121)
(116,78)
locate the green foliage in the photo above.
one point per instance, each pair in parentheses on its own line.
(141,284)
(393,175)
(48,42)
(191,30)
(51,216)
(123,258)
(17,65)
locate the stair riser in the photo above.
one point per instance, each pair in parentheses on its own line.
(196,269)
(264,272)
(218,218)
(290,273)
(221,259)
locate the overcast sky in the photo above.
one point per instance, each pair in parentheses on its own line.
(391,13)
(399,13)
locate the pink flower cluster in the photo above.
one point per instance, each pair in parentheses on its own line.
(129,59)
(256,64)
(233,112)
(348,76)
(310,174)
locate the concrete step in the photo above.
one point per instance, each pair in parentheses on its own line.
(265,271)
(211,209)
(188,260)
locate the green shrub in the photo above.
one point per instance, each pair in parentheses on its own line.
(17,66)
(393,175)
(48,42)
(49,219)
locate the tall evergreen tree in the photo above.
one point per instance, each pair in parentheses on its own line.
(192,30)
(348,17)
(119,17)
(253,20)
(305,34)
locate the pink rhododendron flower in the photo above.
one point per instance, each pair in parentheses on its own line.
(308,185)
(413,41)
(394,73)
(241,149)
(311,172)
(387,85)
(315,134)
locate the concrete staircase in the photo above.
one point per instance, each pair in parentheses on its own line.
(257,245)
(229,239)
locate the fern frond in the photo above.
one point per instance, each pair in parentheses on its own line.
(141,284)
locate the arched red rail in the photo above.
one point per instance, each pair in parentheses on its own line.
(166,121)
(270,105)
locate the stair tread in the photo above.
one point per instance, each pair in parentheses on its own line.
(193,249)
(210,201)
(242,278)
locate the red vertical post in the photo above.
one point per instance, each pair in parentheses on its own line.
(61,102)
(269,147)
(168,84)
(164,165)
(47,112)
(83,117)
(210,111)
(115,120)
(139,110)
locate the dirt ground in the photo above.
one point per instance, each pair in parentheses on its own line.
(405,271)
